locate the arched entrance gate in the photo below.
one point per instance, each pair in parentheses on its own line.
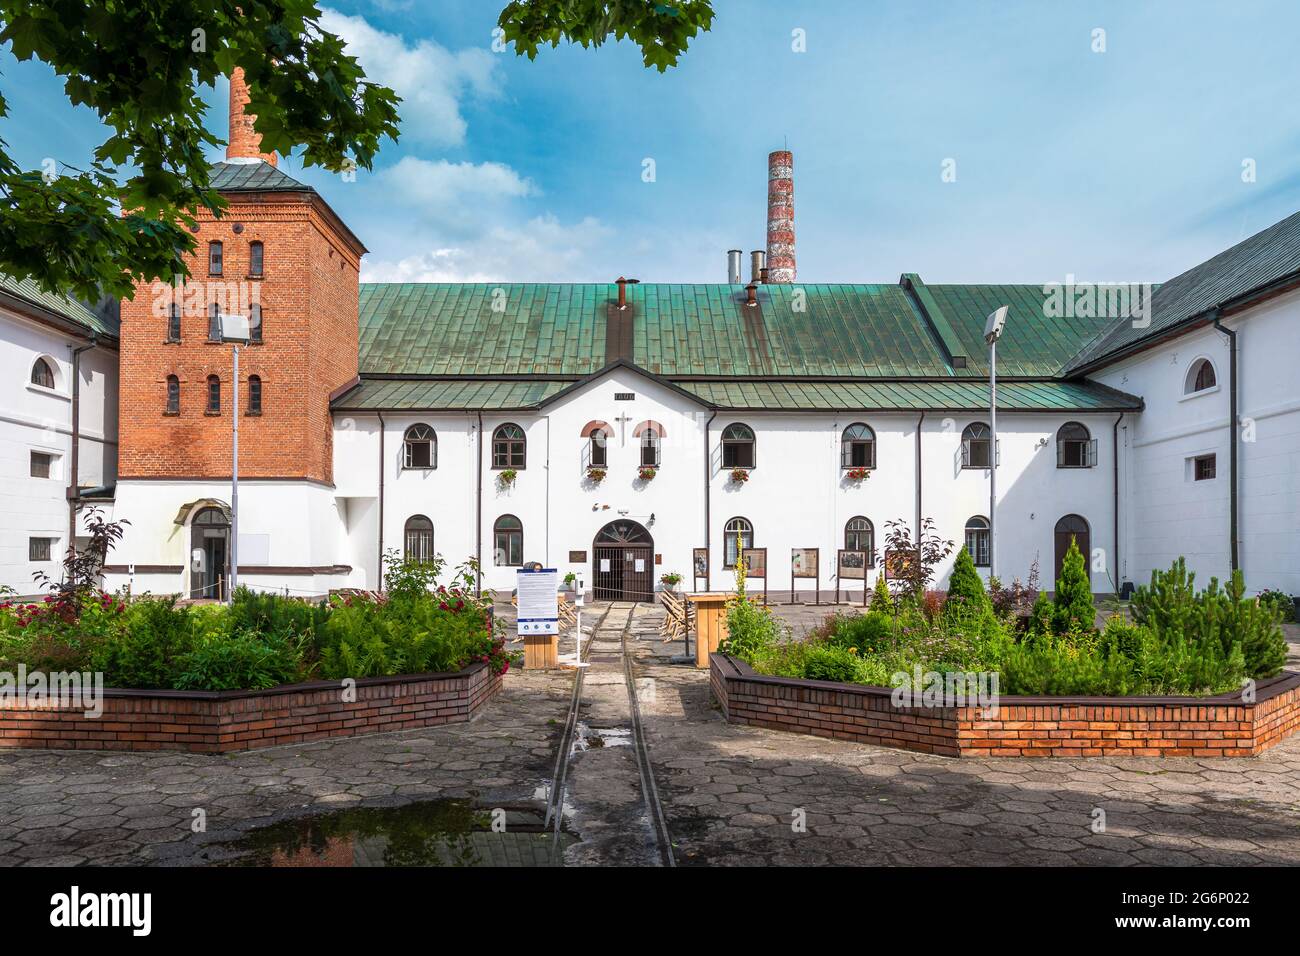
(623,563)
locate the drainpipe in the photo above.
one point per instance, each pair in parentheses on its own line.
(920,421)
(478,511)
(708,483)
(74,491)
(1232,440)
(1119,573)
(382,460)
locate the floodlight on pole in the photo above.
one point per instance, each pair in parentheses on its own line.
(992,332)
(234,329)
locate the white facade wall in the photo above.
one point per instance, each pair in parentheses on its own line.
(796,496)
(35,419)
(1166,513)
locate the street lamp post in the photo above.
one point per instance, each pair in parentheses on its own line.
(234,329)
(992,332)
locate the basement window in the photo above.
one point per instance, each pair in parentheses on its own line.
(42,464)
(1204,467)
(40,549)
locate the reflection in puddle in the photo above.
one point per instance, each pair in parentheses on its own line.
(431,833)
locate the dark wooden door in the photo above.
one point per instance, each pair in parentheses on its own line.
(1072,528)
(623,563)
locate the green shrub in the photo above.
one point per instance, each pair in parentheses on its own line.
(1075,610)
(246,661)
(143,654)
(263,612)
(965,586)
(825,662)
(1042,614)
(881,599)
(1281,602)
(867,633)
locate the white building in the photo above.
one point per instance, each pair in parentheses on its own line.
(60,394)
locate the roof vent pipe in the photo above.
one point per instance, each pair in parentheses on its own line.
(733,266)
(622,290)
(762,275)
(751,294)
(757,260)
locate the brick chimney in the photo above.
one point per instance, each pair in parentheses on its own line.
(780,216)
(245,146)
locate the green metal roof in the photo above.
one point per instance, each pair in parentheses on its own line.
(765,395)
(444,395)
(1266,258)
(62,306)
(260,177)
(912,396)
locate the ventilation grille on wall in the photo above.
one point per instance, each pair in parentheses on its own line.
(624,396)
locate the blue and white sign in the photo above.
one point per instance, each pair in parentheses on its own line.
(538,598)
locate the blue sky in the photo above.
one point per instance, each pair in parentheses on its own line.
(1120,165)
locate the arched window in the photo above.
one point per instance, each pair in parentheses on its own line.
(1200,377)
(255,324)
(42,373)
(174,322)
(650,446)
(599,450)
(858,447)
(859,535)
(508,542)
(738,446)
(737,535)
(214,395)
(976,446)
(254,395)
(418,536)
(421,447)
(1075,447)
(173,395)
(215,260)
(255,258)
(1071,529)
(509,447)
(977,540)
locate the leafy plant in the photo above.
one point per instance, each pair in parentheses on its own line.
(880,597)
(751,627)
(506,477)
(913,563)
(1281,602)
(670,579)
(739,475)
(858,475)
(595,475)
(245,660)
(647,472)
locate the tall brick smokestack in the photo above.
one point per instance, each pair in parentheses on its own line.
(244,145)
(780,216)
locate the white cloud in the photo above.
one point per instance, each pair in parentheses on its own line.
(451,193)
(540,250)
(431,79)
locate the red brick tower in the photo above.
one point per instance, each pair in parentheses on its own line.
(278,247)
(780,216)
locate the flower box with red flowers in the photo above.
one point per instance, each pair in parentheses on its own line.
(595,475)
(858,474)
(740,475)
(647,473)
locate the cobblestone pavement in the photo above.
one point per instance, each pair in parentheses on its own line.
(730,793)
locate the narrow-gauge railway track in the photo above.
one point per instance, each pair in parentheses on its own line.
(556,801)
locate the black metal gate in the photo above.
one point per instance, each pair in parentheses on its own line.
(623,563)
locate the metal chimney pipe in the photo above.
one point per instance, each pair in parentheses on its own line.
(751,294)
(780,215)
(757,260)
(733,266)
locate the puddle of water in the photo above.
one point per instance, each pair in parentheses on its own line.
(589,738)
(430,833)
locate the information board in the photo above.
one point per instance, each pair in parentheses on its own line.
(538,599)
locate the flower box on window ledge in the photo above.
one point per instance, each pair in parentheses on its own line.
(740,475)
(595,475)
(857,475)
(647,473)
(507,477)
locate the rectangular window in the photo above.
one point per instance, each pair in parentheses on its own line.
(254,395)
(214,323)
(977,545)
(40,549)
(255,324)
(215,261)
(1203,468)
(214,395)
(254,258)
(174,322)
(41,462)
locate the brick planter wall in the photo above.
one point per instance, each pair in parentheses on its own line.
(1023,727)
(224,721)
